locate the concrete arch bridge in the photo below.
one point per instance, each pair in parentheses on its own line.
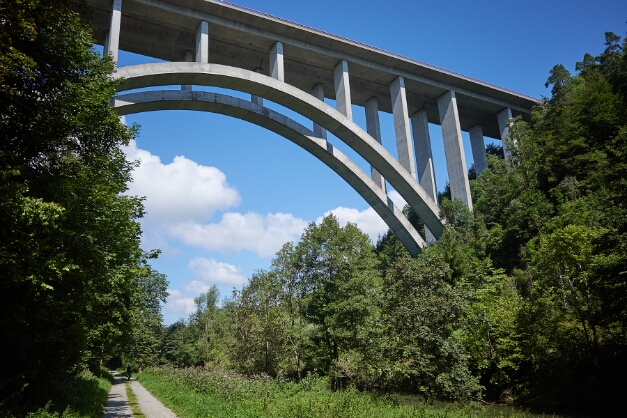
(220,44)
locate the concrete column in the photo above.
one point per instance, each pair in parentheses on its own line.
(374,130)
(504,116)
(401,126)
(318,93)
(424,159)
(187,57)
(342,89)
(478,149)
(256,100)
(202,42)
(454,148)
(112,44)
(106,43)
(277,70)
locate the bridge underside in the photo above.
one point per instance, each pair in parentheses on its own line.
(220,44)
(241,38)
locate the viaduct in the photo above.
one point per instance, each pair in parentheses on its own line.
(221,44)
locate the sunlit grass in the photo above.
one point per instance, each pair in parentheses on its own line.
(132,401)
(194,392)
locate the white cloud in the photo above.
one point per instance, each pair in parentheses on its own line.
(367,220)
(180,191)
(179,304)
(397,199)
(210,272)
(123,120)
(264,235)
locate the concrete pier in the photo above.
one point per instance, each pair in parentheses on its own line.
(503,117)
(112,44)
(454,148)
(478,148)
(373,127)
(424,159)
(202,42)
(277,70)
(188,56)
(342,89)
(401,126)
(318,93)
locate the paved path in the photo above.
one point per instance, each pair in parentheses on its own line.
(118,407)
(117,404)
(149,405)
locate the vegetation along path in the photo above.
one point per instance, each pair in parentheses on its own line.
(118,405)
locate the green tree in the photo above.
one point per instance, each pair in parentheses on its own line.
(421,311)
(69,241)
(339,274)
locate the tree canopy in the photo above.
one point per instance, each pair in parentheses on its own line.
(74,279)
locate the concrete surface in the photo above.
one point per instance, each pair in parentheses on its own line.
(148,404)
(373,127)
(343,101)
(240,37)
(454,148)
(478,148)
(424,159)
(117,405)
(404,145)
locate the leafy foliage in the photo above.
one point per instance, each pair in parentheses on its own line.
(74,280)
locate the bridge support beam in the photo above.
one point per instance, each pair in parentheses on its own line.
(187,57)
(454,148)
(373,127)
(318,93)
(112,43)
(202,42)
(424,159)
(478,149)
(342,90)
(277,70)
(503,117)
(401,126)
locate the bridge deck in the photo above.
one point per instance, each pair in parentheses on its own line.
(240,37)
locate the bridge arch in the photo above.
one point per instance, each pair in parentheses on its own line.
(186,73)
(245,110)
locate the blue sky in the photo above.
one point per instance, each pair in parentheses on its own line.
(223,196)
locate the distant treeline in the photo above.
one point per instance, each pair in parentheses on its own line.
(524,298)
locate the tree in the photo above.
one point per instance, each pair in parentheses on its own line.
(69,241)
(421,311)
(338,269)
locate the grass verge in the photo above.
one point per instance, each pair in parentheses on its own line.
(198,392)
(132,401)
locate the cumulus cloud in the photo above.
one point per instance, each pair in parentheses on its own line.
(210,272)
(262,234)
(179,304)
(367,220)
(180,191)
(182,196)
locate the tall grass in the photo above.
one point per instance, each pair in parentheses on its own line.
(197,392)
